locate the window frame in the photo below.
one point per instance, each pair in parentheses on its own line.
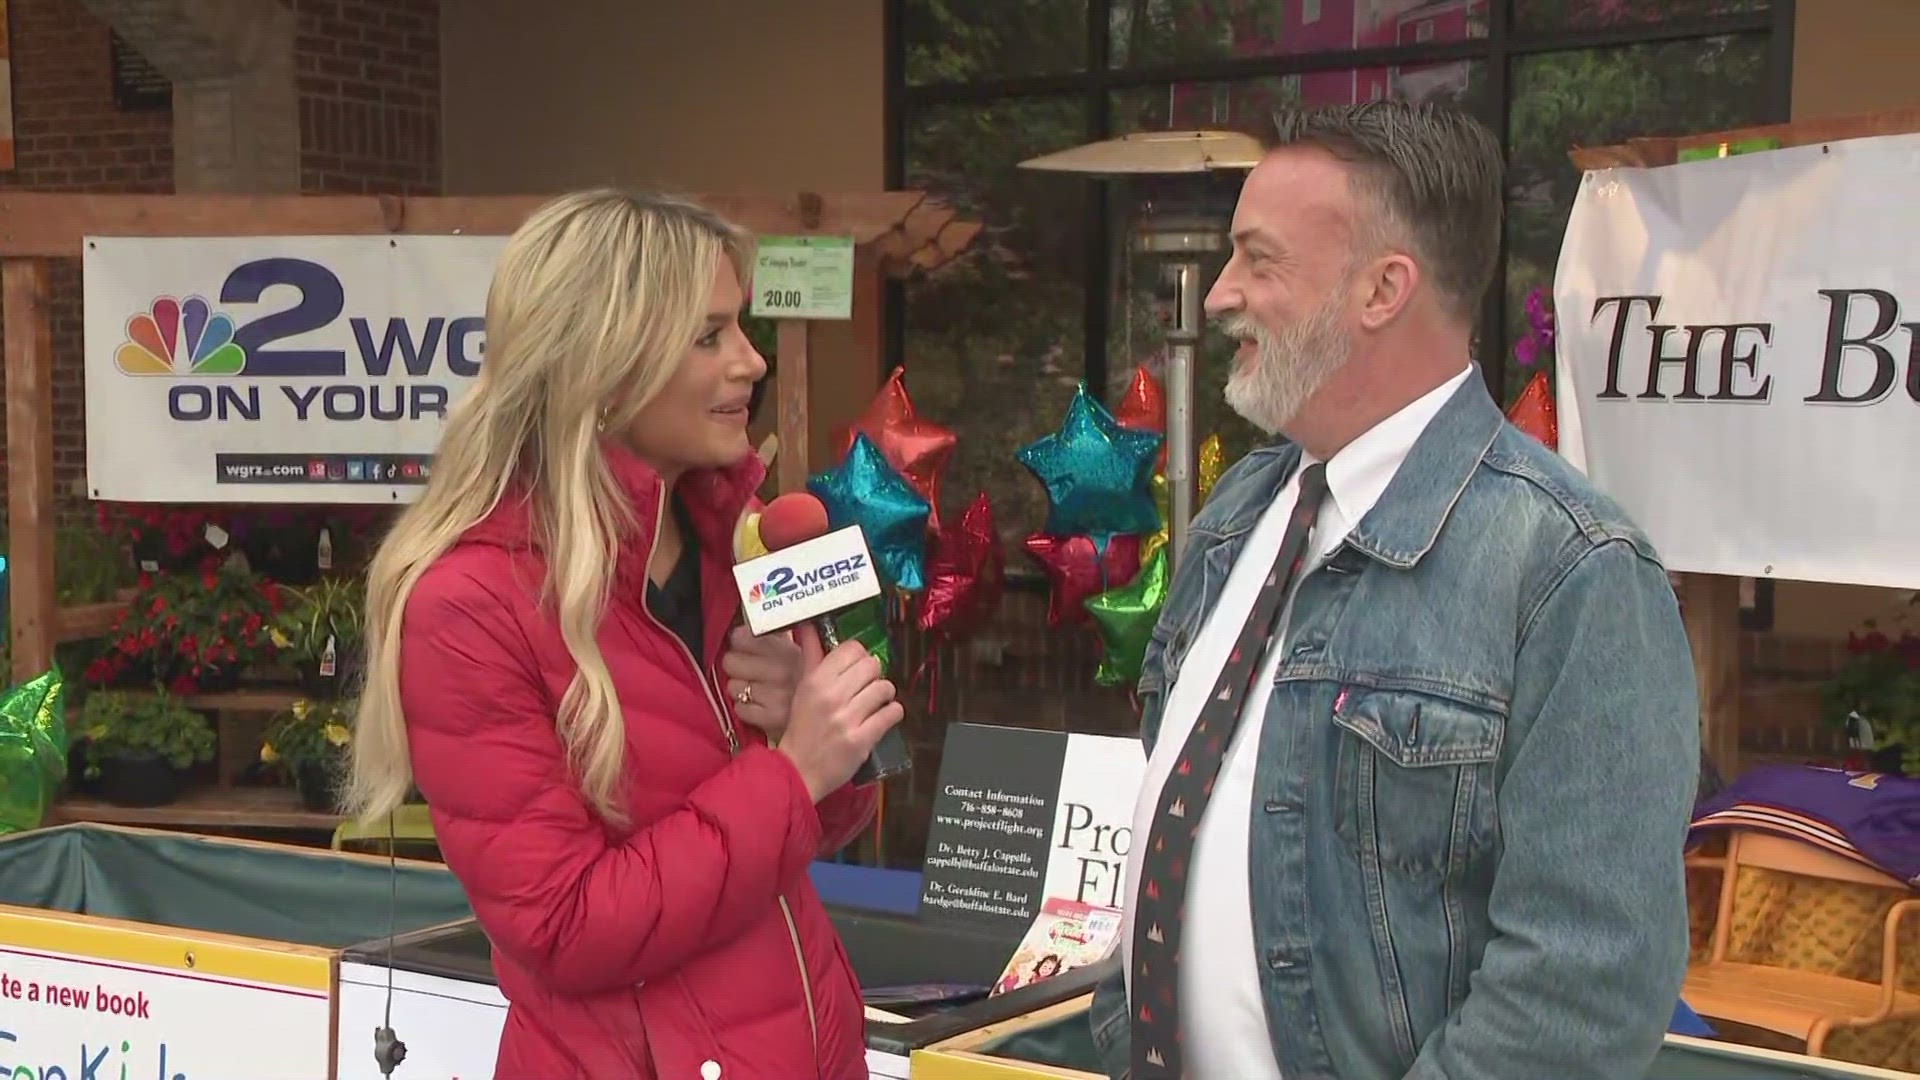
(1501,45)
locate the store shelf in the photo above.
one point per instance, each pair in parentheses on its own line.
(79,622)
(262,699)
(205,807)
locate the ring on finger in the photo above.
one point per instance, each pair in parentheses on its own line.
(744,695)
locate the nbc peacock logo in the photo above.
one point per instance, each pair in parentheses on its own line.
(174,337)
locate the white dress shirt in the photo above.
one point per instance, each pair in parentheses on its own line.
(1222,1017)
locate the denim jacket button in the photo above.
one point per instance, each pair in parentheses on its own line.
(1280,806)
(1277,960)
(1305,647)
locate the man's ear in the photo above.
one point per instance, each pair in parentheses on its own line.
(1387,287)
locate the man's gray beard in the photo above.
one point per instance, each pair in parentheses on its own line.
(1287,367)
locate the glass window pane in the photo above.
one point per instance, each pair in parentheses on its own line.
(994,343)
(1593,97)
(1152,32)
(1140,308)
(975,40)
(1551,15)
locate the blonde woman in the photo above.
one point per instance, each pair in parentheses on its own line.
(629,793)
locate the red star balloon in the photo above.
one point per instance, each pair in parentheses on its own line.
(917,449)
(1144,407)
(1077,570)
(1533,413)
(966,573)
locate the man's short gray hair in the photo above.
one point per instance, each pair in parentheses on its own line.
(1432,176)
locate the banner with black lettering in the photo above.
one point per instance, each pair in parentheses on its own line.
(277,369)
(1737,347)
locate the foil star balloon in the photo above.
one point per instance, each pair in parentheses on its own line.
(866,623)
(916,448)
(1533,412)
(966,573)
(1098,474)
(1077,568)
(864,490)
(1144,408)
(1124,618)
(1207,470)
(33,749)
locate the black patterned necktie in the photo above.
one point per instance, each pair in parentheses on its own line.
(1158,906)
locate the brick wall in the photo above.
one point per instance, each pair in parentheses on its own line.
(69,137)
(369,89)
(369,82)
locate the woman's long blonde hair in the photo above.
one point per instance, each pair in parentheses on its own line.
(593,304)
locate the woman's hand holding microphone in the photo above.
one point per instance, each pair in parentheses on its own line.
(839,703)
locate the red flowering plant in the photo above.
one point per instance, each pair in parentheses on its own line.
(161,537)
(1875,698)
(191,631)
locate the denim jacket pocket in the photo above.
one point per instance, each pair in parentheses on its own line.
(1414,779)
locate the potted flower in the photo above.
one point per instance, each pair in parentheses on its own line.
(322,631)
(192,631)
(311,740)
(139,746)
(1875,699)
(162,537)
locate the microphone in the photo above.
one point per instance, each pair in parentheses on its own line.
(807,575)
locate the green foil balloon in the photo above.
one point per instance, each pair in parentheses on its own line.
(1124,618)
(33,749)
(866,623)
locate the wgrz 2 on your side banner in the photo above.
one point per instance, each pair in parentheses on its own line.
(277,369)
(1738,349)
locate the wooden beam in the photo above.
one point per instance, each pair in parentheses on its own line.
(29,374)
(790,388)
(1654,152)
(54,224)
(1710,607)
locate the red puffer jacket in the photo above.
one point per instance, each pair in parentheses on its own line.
(689,940)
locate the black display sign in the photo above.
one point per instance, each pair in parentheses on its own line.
(138,86)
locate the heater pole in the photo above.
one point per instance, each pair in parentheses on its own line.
(1184,338)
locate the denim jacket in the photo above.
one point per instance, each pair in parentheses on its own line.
(1474,777)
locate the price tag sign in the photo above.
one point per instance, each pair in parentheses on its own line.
(803,277)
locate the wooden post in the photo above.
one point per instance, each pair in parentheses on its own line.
(790,400)
(1710,608)
(29,373)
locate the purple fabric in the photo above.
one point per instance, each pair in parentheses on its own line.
(1878,814)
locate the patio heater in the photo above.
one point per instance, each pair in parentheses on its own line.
(1177,189)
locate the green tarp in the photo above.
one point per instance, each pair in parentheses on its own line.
(295,895)
(1067,1043)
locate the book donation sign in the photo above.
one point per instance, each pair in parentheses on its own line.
(277,369)
(107,1016)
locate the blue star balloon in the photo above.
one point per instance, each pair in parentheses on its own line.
(1098,474)
(865,491)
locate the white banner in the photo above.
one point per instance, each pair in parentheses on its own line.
(277,369)
(68,1017)
(1739,358)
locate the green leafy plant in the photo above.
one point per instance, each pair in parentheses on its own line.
(114,722)
(1878,689)
(330,609)
(310,733)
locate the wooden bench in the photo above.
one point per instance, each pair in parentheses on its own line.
(1803,1005)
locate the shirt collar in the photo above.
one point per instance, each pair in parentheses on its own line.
(1359,473)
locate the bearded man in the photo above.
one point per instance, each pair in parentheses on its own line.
(1420,714)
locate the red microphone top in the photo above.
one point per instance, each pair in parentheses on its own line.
(793,518)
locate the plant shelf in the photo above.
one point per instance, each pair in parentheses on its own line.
(206,806)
